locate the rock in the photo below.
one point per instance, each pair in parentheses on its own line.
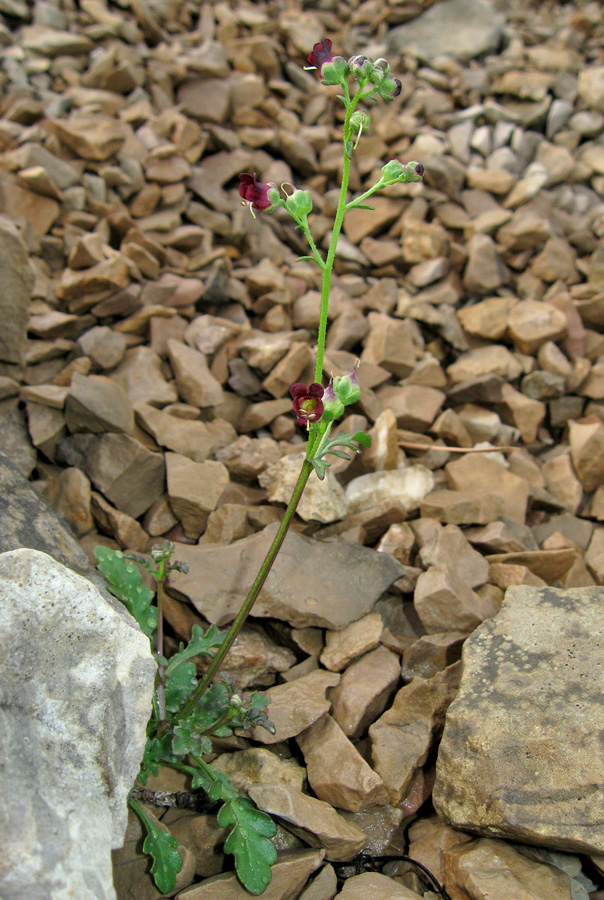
(498,868)
(414,406)
(514,669)
(374,886)
(289,874)
(70,497)
(322,501)
(364,691)
(126,530)
(192,439)
(91,137)
(194,489)
(103,346)
(103,721)
(256,765)
(477,473)
(488,318)
(390,344)
(431,654)
(314,821)
(337,772)
(323,887)
(127,474)
(194,381)
(407,486)
(246,457)
(523,412)
(587,453)
(485,271)
(341,647)
(140,375)
(348,579)
(426,36)
(452,550)
(15,442)
(444,602)
(15,294)
(466,507)
(591,87)
(97,404)
(402,737)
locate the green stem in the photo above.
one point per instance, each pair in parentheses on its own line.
(362,197)
(161,694)
(317,256)
(245,610)
(337,227)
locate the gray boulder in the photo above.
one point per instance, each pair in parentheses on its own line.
(522,752)
(77,682)
(459,28)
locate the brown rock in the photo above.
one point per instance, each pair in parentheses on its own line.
(401,738)
(532,323)
(337,772)
(414,406)
(390,344)
(561,481)
(452,550)
(96,404)
(322,501)
(364,691)
(444,602)
(70,496)
(523,412)
(91,137)
(194,381)
(374,886)
(140,375)
(342,647)
(324,886)
(256,765)
(194,489)
(126,530)
(466,507)
(477,473)
(587,453)
(485,271)
(549,565)
(431,654)
(314,821)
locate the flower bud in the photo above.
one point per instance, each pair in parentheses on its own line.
(299,203)
(335,71)
(274,196)
(346,387)
(333,407)
(394,171)
(389,88)
(360,120)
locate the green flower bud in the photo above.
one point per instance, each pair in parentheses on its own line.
(299,203)
(333,407)
(360,120)
(274,196)
(335,71)
(394,171)
(346,387)
(389,87)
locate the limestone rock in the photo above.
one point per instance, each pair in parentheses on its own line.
(407,486)
(591,87)
(402,737)
(100,712)
(587,453)
(128,475)
(289,875)
(364,691)
(194,489)
(532,324)
(256,765)
(432,653)
(519,670)
(322,501)
(485,271)
(15,292)
(477,473)
(341,647)
(451,549)
(195,383)
(96,404)
(336,770)
(140,375)
(342,584)
(427,36)
(445,602)
(314,821)
(374,886)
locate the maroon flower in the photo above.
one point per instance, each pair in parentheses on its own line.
(321,53)
(308,405)
(254,193)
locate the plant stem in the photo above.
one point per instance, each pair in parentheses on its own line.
(337,226)
(245,610)
(161,696)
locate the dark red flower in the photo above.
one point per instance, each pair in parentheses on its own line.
(320,54)
(254,193)
(308,405)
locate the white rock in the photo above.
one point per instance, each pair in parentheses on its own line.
(409,486)
(77,683)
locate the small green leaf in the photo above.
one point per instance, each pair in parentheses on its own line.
(361,206)
(201,644)
(339,453)
(124,581)
(302,258)
(249,842)
(348,148)
(320,465)
(361,438)
(179,686)
(187,740)
(167,862)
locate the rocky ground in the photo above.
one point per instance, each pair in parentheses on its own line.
(151,328)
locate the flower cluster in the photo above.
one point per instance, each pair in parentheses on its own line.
(334,69)
(316,402)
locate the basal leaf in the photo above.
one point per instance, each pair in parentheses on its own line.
(124,581)
(188,740)
(179,686)
(162,847)
(249,843)
(201,644)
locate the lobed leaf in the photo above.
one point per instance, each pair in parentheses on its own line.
(201,644)
(249,842)
(162,848)
(124,581)
(179,685)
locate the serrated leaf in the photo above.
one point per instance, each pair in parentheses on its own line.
(179,686)
(249,843)
(162,848)
(201,644)
(124,581)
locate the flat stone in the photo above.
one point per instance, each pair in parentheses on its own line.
(432,653)
(427,36)
(314,821)
(192,439)
(390,344)
(519,670)
(103,346)
(374,886)
(322,501)
(125,472)
(194,381)
(44,604)
(337,772)
(465,507)
(348,579)
(289,875)
(70,495)
(414,406)
(444,601)
(341,647)
(140,375)
(364,691)
(485,271)
(451,549)
(126,530)
(402,737)
(591,87)
(407,486)
(96,404)
(194,489)
(488,318)
(257,765)
(474,472)
(91,137)
(20,204)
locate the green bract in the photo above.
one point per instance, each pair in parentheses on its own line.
(299,204)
